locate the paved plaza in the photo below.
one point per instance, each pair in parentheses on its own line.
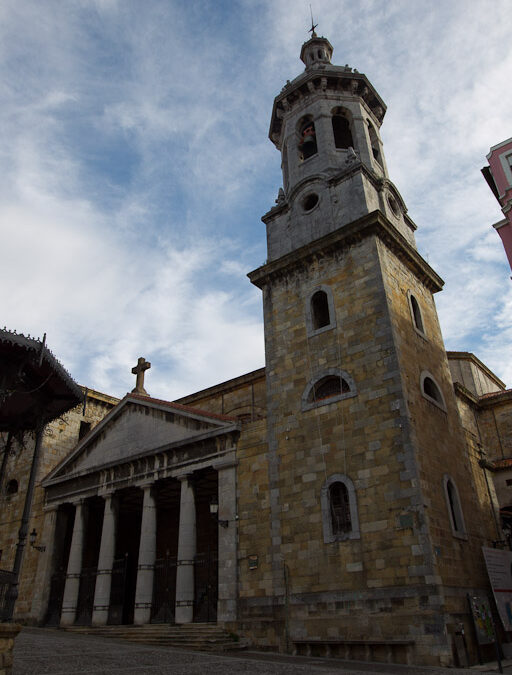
(41,651)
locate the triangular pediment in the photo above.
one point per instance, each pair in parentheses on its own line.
(136,427)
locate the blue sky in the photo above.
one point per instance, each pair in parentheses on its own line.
(136,166)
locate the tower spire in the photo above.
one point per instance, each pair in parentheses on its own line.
(313,25)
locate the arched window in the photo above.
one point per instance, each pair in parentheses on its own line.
(339,509)
(416,315)
(12,487)
(341,521)
(431,390)
(374,142)
(307,139)
(333,385)
(320,314)
(454,508)
(327,387)
(320,310)
(341,131)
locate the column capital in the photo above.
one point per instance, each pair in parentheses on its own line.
(78,501)
(221,464)
(106,492)
(146,484)
(48,508)
(184,476)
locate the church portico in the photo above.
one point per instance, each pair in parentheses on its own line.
(143,544)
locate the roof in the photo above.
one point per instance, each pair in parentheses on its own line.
(501,464)
(224,387)
(496,394)
(182,408)
(469,356)
(35,387)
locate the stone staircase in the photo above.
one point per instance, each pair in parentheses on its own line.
(199,636)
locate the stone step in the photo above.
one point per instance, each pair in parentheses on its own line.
(202,637)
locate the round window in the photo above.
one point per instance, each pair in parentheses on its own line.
(393,205)
(310,201)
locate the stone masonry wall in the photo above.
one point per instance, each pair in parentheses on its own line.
(495,425)
(368,587)
(60,437)
(243,397)
(441,450)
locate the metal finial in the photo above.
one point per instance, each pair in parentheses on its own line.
(313,25)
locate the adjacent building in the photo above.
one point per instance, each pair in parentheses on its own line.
(498,175)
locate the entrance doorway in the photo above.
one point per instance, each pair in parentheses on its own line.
(206,561)
(124,571)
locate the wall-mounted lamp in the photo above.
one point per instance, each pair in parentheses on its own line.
(32,540)
(214,512)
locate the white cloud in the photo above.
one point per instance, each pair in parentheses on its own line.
(136,165)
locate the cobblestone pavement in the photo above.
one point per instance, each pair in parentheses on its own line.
(40,651)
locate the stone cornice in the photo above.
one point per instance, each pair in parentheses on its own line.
(99,396)
(374,224)
(224,387)
(468,396)
(380,184)
(336,79)
(169,448)
(485,401)
(469,356)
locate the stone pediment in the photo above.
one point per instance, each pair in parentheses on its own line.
(139,426)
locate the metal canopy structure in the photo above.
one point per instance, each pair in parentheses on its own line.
(34,387)
(34,390)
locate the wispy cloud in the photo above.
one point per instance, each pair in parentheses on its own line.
(135,167)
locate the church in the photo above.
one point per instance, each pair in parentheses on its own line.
(335,501)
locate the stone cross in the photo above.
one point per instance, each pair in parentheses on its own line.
(142,365)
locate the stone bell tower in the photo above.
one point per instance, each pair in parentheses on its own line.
(369,476)
(326,124)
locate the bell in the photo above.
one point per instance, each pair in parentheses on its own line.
(310,138)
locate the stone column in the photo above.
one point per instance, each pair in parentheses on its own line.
(45,565)
(186,553)
(70,599)
(105,561)
(228,579)
(147,555)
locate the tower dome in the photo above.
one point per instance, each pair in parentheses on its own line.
(316,52)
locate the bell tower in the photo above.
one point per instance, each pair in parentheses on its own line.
(368,470)
(326,125)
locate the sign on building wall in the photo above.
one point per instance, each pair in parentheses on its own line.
(499,569)
(482,619)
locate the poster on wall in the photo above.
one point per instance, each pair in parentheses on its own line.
(482,619)
(499,569)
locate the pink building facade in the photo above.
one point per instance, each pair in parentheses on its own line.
(499,177)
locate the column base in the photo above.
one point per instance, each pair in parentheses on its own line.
(99,617)
(67,617)
(142,615)
(184,612)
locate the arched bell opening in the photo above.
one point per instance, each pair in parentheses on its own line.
(341,129)
(307,145)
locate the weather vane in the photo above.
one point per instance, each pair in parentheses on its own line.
(313,24)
